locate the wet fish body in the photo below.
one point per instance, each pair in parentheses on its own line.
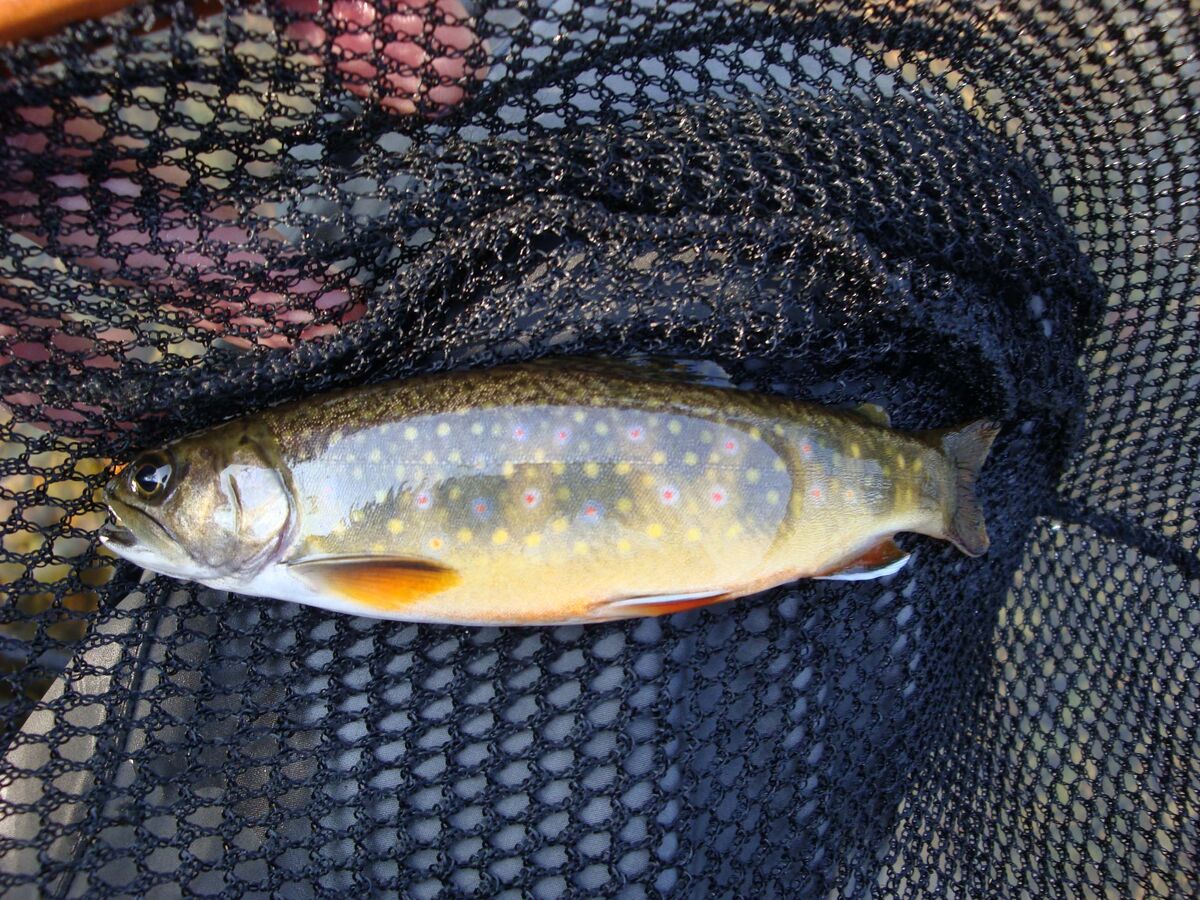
(542,493)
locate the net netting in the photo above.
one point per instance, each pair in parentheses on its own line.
(951,209)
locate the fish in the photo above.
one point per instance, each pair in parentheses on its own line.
(560,491)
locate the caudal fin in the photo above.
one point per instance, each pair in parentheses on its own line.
(966,448)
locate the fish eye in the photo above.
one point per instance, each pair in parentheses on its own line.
(151,475)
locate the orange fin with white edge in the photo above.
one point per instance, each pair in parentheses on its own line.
(884,559)
(384,582)
(656,604)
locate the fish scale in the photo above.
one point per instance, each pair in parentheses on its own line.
(565,491)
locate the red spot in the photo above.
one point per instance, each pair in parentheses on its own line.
(729,445)
(480,508)
(718,496)
(530,499)
(668,495)
(636,433)
(590,511)
(806,449)
(816,492)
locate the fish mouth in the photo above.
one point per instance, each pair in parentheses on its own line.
(116,533)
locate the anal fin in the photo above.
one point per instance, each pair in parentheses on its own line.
(383,582)
(881,560)
(656,604)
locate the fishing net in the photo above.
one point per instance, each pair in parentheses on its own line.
(950,209)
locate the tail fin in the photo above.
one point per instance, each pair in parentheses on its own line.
(966,448)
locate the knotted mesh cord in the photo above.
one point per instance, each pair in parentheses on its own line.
(949,210)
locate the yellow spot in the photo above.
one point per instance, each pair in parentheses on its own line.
(507,470)
(464,535)
(654,530)
(377,547)
(443,429)
(476,428)
(558,526)
(591,470)
(427,458)
(455,492)
(410,433)
(622,468)
(381,496)
(690,458)
(602,428)
(339,528)
(454,456)
(714,458)
(395,526)
(580,548)
(693,534)
(734,530)
(917,465)
(539,455)
(755,433)
(356,516)
(563,493)
(849,495)
(335,438)
(752,475)
(706,437)
(435,543)
(624,505)
(658,457)
(778,429)
(624,546)
(356,473)
(400,472)
(499,536)
(674,427)
(855,451)
(558,468)
(900,462)
(648,481)
(579,415)
(772,497)
(375,456)
(533,540)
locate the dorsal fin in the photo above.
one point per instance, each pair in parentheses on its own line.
(873,413)
(647,368)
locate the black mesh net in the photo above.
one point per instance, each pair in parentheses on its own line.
(950,209)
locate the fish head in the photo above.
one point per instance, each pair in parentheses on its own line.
(209,506)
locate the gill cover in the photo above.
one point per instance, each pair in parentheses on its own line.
(246,506)
(209,505)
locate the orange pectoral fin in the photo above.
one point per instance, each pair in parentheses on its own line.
(656,605)
(383,582)
(885,558)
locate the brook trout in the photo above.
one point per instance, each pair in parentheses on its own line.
(555,492)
